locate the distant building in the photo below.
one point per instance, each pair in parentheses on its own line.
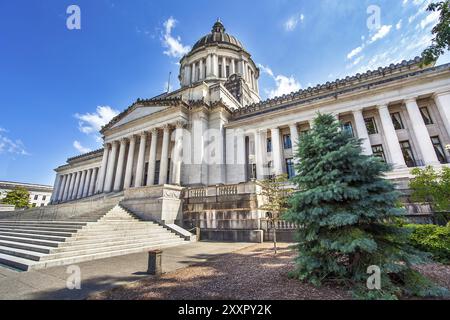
(39,194)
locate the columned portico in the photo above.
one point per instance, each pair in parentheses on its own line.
(361,130)
(391,137)
(94,177)
(81,185)
(102,172)
(421,133)
(259,154)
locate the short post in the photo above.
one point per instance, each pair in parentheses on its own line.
(197,233)
(155,262)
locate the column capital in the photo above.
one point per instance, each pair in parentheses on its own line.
(180,124)
(166,127)
(410,100)
(358,110)
(382,106)
(292,125)
(440,93)
(114,143)
(123,140)
(154,131)
(142,134)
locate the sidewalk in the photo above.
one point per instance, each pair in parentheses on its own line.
(99,275)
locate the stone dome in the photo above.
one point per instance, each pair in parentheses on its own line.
(218,36)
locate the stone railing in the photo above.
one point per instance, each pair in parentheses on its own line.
(267,224)
(220,190)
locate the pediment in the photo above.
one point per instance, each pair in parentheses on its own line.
(138,112)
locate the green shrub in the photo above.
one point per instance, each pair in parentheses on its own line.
(433,239)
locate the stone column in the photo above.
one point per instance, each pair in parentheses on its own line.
(187,76)
(120,166)
(215,65)
(421,133)
(294,138)
(242,67)
(442,101)
(141,161)
(208,66)
(94,177)
(224,67)
(276,152)
(259,155)
(361,129)
(391,137)
(62,187)
(74,194)
(87,183)
(111,166)
(201,76)
(152,158)
(81,186)
(56,186)
(102,172)
(164,165)
(177,153)
(130,162)
(232,67)
(67,187)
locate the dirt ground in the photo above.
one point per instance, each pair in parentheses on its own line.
(253,273)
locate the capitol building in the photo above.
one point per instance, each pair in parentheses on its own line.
(191,157)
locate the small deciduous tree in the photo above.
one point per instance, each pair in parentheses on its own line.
(431,186)
(275,193)
(441,32)
(19,197)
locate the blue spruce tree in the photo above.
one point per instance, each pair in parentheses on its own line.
(348,217)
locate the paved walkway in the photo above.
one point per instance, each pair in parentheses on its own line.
(103,274)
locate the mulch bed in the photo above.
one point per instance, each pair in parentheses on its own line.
(253,273)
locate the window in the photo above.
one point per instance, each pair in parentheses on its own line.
(371,126)
(426,116)
(44,198)
(397,121)
(34,205)
(227,71)
(252,171)
(379,152)
(347,127)
(290,168)
(36,197)
(157,166)
(269,144)
(439,149)
(42,204)
(408,154)
(287,141)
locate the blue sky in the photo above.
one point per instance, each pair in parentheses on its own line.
(58,86)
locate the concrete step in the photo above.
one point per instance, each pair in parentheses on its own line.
(43,223)
(25,254)
(105,239)
(34,236)
(100,250)
(28,247)
(37,232)
(44,243)
(108,254)
(59,229)
(102,235)
(84,244)
(108,228)
(16,262)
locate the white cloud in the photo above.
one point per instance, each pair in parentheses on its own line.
(173,44)
(398,26)
(91,123)
(382,32)
(430,19)
(355,52)
(284,84)
(8,145)
(77,145)
(293,21)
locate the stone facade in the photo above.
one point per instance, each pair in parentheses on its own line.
(39,194)
(215,132)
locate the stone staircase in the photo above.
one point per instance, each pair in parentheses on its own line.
(34,244)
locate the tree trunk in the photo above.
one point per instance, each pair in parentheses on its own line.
(274,228)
